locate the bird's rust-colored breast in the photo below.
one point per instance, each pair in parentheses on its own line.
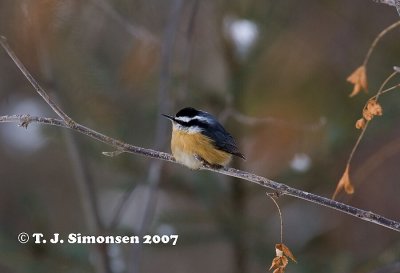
(185,146)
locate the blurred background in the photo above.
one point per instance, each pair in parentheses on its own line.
(273,72)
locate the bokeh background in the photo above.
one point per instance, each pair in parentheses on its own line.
(274,72)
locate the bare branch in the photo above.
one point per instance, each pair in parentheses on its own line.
(279,211)
(377,39)
(282,189)
(34,83)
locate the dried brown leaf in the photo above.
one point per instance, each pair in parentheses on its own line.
(374,108)
(279,270)
(367,114)
(360,124)
(280,262)
(288,253)
(359,79)
(344,183)
(284,261)
(275,263)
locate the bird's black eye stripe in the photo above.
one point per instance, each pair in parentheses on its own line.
(198,123)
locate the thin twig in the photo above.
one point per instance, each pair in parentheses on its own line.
(280,214)
(383,85)
(377,39)
(386,91)
(35,84)
(376,97)
(282,189)
(364,128)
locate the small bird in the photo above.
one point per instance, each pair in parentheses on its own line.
(198,139)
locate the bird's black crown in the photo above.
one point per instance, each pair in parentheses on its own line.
(189,112)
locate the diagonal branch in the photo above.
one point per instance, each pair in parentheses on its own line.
(281,189)
(35,84)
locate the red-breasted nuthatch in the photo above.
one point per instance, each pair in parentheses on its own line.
(199,139)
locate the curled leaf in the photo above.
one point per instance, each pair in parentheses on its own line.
(279,270)
(360,124)
(276,262)
(344,183)
(359,79)
(286,251)
(367,114)
(374,108)
(280,262)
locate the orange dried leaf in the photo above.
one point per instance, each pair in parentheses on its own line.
(284,261)
(344,183)
(275,263)
(288,253)
(359,79)
(360,124)
(279,270)
(374,108)
(367,114)
(280,262)
(349,188)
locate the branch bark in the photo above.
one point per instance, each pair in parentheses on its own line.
(281,189)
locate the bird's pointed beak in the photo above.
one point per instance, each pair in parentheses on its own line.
(168,117)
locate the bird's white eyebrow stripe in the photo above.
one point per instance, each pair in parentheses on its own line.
(202,118)
(184,119)
(187,119)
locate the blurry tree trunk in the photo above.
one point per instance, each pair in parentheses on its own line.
(236,77)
